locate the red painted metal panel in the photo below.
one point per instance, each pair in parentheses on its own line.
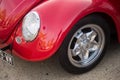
(57,19)
(11,12)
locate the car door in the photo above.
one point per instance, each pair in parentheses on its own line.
(11,11)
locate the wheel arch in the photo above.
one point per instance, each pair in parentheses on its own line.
(88,17)
(111,23)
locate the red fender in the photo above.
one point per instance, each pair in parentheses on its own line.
(57,18)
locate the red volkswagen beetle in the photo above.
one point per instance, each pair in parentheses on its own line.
(78,30)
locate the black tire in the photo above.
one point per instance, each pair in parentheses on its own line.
(64,59)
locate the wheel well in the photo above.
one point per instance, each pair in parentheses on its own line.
(113,31)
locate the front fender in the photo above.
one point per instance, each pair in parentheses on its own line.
(57,18)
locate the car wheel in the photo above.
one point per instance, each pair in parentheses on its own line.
(85,44)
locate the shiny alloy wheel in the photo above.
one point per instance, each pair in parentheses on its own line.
(86,45)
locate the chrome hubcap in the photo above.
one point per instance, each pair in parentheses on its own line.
(86,45)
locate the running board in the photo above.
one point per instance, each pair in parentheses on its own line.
(6,57)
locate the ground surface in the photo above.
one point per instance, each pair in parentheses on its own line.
(108,69)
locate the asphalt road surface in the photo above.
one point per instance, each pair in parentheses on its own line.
(108,69)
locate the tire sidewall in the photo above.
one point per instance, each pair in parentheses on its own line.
(64,60)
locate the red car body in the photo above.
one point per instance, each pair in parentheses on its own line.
(57,19)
